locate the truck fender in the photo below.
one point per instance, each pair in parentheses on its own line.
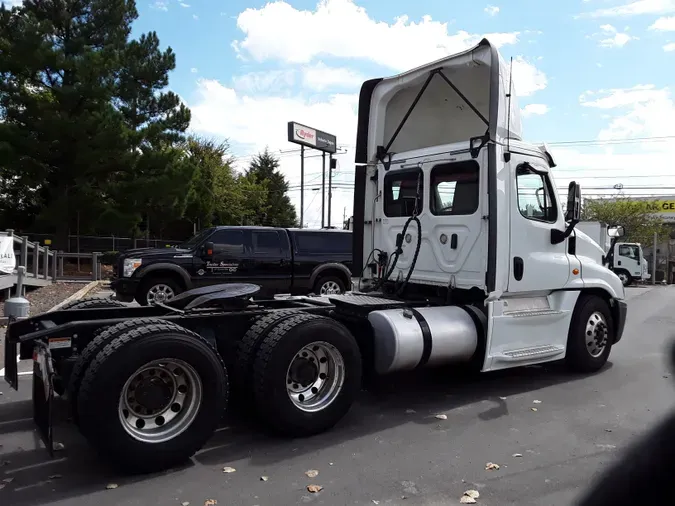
(327,267)
(144,271)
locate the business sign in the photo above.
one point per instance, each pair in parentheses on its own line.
(664,207)
(7,258)
(311,137)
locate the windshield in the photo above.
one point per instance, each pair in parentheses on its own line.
(191,243)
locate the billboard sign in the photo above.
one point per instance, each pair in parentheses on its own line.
(311,137)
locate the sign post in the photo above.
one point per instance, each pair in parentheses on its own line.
(321,141)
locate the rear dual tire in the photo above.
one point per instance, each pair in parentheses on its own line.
(179,394)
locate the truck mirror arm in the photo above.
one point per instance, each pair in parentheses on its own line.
(558,236)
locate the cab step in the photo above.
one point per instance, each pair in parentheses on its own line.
(526,354)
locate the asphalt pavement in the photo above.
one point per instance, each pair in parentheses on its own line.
(549,432)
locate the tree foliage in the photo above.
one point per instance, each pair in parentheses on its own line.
(637,218)
(92,140)
(278,211)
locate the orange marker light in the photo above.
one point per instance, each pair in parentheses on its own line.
(575,271)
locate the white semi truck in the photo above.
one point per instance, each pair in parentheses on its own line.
(465,255)
(626,259)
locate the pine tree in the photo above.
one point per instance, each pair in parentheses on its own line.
(278,210)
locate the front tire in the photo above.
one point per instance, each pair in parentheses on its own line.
(307,374)
(157,290)
(591,335)
(625,277)
(152,397)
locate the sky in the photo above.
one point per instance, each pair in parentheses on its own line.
(594,78)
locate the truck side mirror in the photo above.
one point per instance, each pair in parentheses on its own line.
(207,249)
(617,231)
(573,202)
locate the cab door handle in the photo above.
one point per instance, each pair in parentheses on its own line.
(518,268)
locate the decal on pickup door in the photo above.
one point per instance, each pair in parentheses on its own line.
(222,267)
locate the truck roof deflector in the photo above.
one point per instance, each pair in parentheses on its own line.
(383,152)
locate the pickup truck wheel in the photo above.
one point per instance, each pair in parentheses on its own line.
(101,338)
(155,290)
(152,397)
(93,303)
(589,341)
(307,374)
(242,370)
(329,285)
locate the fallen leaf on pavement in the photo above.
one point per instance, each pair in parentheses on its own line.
(264,478)
(608,430)
(442,417)
(533,409)
(376,502)
(517,455)
(491,466)
(8,480)
(210,502)
(312,473)
(111,486)
(55,477)
(536,402)
(465,499)
(474,494)
(314,488)
(228,470)
(185,503)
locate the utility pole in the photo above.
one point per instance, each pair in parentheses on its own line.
(331,163)
(302,185)
(323,189)
(656,238)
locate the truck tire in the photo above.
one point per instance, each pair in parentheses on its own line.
(242,370)
(323,357)
(92,303)
(329,285)
(624,276)
(152,397)
(101,338)
(161,289)
(591,333)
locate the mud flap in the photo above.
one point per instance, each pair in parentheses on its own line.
(43,394)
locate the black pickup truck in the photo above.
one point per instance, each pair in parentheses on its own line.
(295,261)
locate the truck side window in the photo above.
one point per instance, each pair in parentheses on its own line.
(454,188)
(628,251)
(228,242)
(400,189)
(321,243)
(266,243)
(535,195)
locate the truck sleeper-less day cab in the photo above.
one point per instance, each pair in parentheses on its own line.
(278,260)
(465,254)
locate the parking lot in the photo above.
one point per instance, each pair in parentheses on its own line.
(549,432)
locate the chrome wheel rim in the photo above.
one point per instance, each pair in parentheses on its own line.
(596,334)
(160,293)
(315,376)
(160,400)
(330,288)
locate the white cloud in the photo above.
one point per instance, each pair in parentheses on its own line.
(527,79)
(183,4)
(194,16)
(251,123)
(535,110)
(491,10)
(664,24)
(263,82)
(341,28)
(160,5)
(194,70)
(669,47)
(635,8)
(611,37)
(320,77)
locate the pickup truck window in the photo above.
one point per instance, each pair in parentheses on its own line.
(266,243)
(313,243)
(228,242)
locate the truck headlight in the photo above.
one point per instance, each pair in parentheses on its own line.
(130,265)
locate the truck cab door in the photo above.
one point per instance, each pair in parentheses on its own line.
(536,265)
(270,261)
(227,263)
(627,257)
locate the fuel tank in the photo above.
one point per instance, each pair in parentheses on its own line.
(412,338)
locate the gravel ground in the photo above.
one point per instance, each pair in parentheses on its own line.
(46,297)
